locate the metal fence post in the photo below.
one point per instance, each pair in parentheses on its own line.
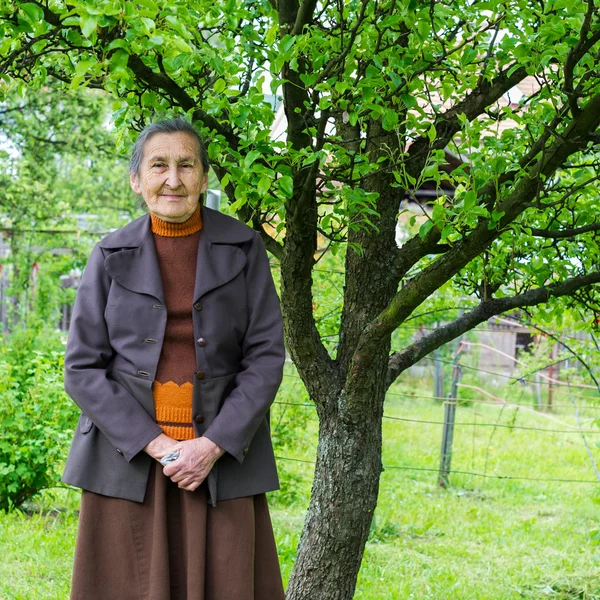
(438,390)
(449,418)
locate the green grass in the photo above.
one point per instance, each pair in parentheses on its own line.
(480,539)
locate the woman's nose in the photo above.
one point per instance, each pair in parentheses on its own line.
(173,179)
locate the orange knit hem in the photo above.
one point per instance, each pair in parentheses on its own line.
(166,229)
(179,433)
(173,406)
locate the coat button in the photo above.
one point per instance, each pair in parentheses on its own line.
(198,305)
(120,451)
(150,341)
(199,374)
(199,419)
(201,341)
(245,451)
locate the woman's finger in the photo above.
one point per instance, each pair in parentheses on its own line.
(184,484)
(180,475)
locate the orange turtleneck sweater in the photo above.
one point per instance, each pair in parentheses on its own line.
(177,249)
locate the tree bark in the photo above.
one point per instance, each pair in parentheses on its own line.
(344,493)
(348,466)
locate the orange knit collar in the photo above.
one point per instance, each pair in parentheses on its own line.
(166,229)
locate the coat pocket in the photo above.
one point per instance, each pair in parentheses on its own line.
(220,388)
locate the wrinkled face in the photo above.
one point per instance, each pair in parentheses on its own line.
(171,177)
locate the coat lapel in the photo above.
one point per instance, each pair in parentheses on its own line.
(219,258)
(135,268)
(134,264)
(216,264)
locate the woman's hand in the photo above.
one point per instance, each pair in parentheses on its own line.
(160,446)
(197,458)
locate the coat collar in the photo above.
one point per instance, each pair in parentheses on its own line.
(216,226)
(135,265)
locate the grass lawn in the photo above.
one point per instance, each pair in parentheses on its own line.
(480,539)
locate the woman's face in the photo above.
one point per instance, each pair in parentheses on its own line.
(171,177)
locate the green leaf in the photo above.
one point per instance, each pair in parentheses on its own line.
(263,185)
(82,68)
(149,25)
(470,200)
(430,171)
(33,12)
(423,27)
(408,100)
(286,185)
(390,120)
(446,232)
(219,85)
(118,43)
(271,35)
(118,60)
(424,229)
(250,158)
(88,25)
(149,5)
(396,79)
(287,42)
(180,45)
(439,212)
(431,133)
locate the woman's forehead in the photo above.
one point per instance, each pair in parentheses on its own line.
(171,145)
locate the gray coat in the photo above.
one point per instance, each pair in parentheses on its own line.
(114,344)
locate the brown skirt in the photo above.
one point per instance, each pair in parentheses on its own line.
(175,546)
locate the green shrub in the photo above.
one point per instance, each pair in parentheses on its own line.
(36,414)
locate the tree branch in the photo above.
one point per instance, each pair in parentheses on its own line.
(574,138)
(164,82)
(575,55)
(304,15)
(564,233)
(302,336)
(272,245)
(335,60)
(400,361)
(447,126)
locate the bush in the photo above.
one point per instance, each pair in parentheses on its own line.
(37,416)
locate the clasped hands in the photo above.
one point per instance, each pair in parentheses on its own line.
(197,458)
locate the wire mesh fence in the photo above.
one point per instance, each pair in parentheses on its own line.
(574,432)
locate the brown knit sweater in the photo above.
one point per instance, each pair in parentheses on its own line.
(177,249)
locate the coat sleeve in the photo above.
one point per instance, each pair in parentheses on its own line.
(263,352)
(118,415)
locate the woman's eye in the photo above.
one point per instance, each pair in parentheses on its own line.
(186,166)
(158,165)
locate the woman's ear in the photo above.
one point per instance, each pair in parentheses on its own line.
(204,186)
(134,182)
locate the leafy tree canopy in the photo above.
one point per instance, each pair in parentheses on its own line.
(376,96)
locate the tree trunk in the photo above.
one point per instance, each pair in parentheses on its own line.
(344,493)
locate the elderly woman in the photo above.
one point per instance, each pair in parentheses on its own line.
(175,352)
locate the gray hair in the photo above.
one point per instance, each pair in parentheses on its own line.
(176,125)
